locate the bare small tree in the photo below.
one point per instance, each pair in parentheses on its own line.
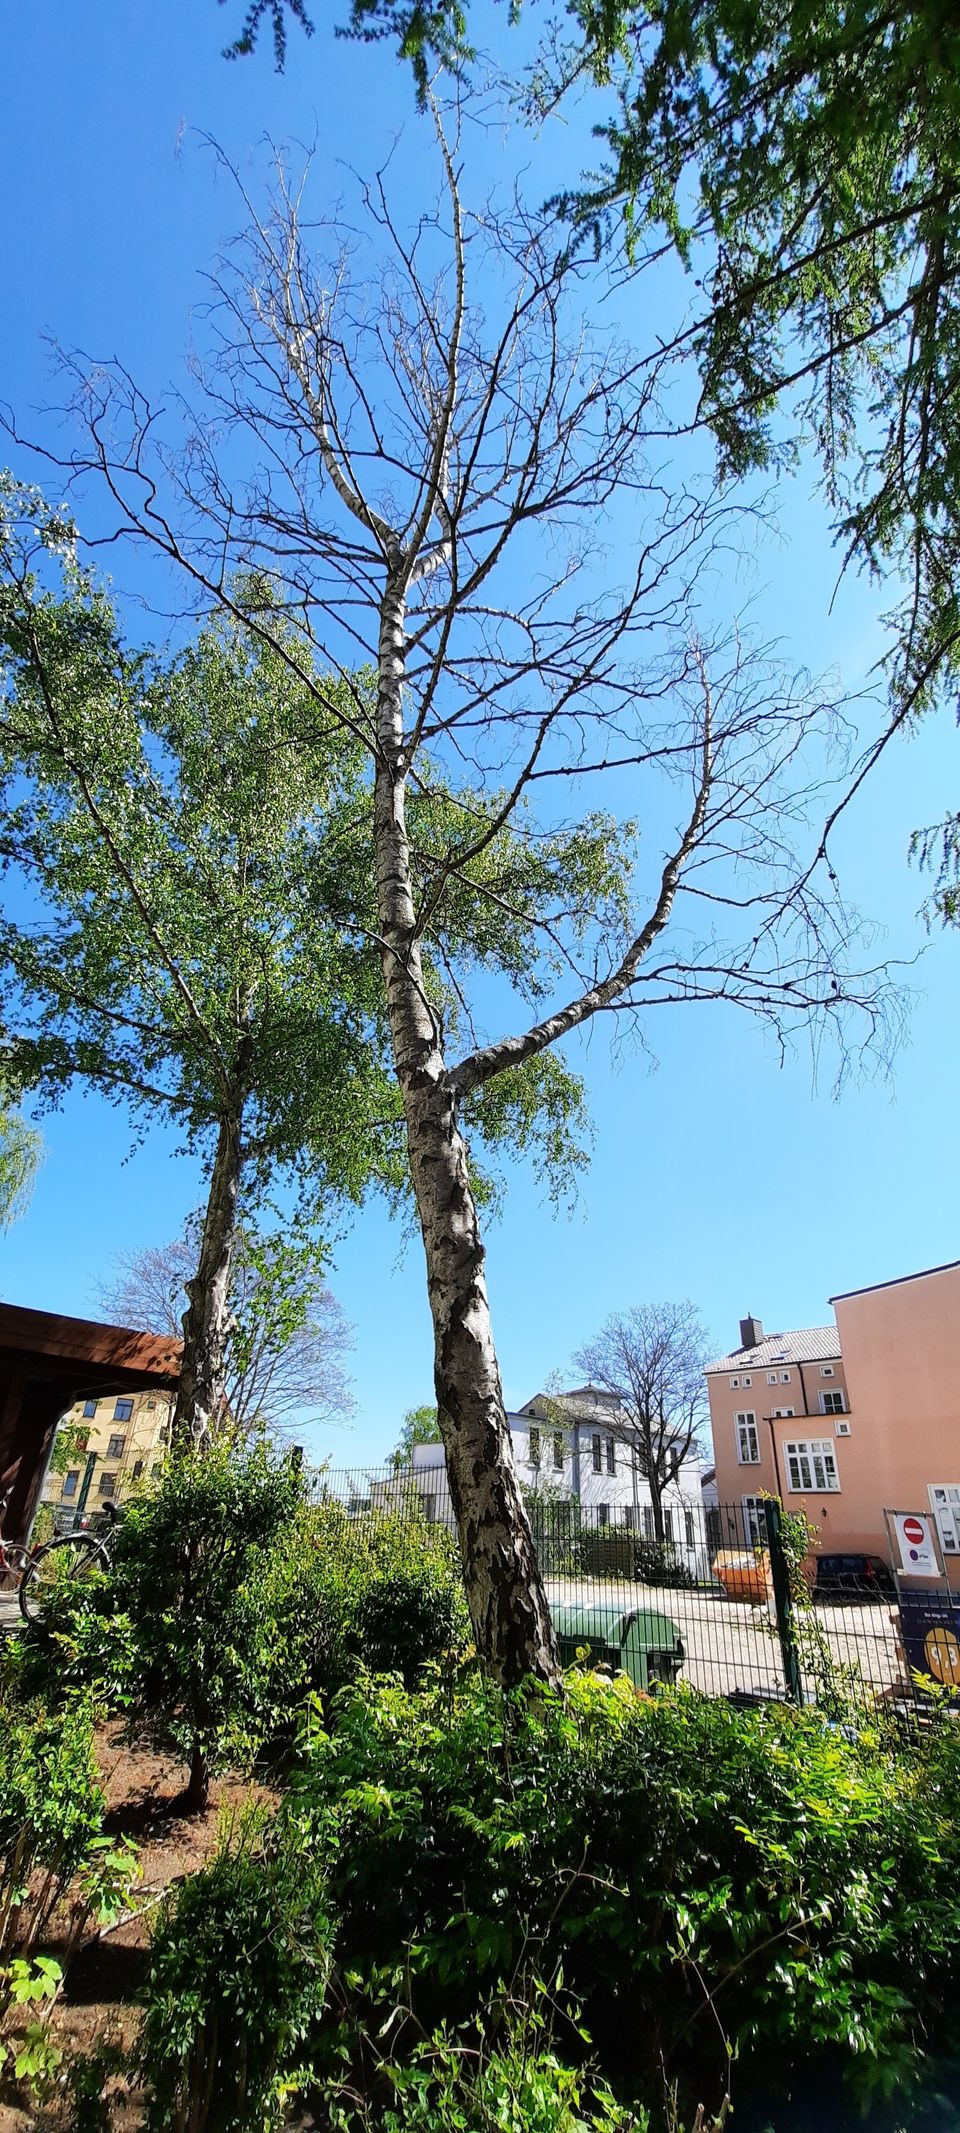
(287,1341)
(436,443)
(651,1359)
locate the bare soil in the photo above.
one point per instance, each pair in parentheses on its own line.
(99,2001)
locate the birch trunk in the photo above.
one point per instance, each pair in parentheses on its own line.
(206,1321)
(508,1608)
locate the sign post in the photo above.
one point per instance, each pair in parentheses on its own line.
(913,1533)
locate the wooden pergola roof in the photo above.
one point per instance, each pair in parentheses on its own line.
(81,1349)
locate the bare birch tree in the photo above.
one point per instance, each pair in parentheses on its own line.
(441,461)
(652,1359)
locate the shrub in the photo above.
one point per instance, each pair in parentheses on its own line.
(657,1563)
(696,1873)
(381,1592)
(238,1973)
(190,1575)
(52,1848)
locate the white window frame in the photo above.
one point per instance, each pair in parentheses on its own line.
(785,1378)
(827,1400)
(596,1453)
(610,1448)
(746,1381)
(784,1414)
(827,1370)
(754,1523)
(945,1504)
(533,1446)
(811,1464)
(747,1433)
(772,1378)
(558,1450)
(734,1384)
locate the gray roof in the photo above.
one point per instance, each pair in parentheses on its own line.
(811,1344)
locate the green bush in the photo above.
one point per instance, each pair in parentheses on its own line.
(702,1877)
(238,1974)
(512,2083)
(52,1846)
(657,1563)
(381,1592)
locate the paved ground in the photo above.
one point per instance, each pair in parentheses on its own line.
(9,1611)
(730,1646)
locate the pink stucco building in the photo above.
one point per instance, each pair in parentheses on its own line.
(850,1420)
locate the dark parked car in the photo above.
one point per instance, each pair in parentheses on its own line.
(853,1577)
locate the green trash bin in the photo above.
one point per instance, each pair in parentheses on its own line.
(638,1641)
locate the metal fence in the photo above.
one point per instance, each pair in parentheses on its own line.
(715,1605)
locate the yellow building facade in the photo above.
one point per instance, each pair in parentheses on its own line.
(127,1433)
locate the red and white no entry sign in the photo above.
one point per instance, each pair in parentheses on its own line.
(914,1532)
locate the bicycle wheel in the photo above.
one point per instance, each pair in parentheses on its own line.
(62,1564)
(14,1560)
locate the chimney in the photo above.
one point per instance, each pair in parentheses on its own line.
(751,1332)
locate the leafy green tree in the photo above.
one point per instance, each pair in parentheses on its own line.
(171,820)
(21,1153)
(420,1425)
(454,504)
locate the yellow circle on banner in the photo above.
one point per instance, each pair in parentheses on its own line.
(943,1655)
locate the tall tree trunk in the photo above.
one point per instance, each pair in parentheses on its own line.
(508,1608)
(206,1321)
(656,1501)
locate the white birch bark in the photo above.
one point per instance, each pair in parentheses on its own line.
(508,1607)
(207,1318)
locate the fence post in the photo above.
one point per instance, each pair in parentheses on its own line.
(783,1603)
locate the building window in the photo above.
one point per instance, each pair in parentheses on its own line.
(748,1442)
(754,1522)
(826,1370)
(629,1517)
(83,1439)
(137,1469)
(812,1466)
(668,1523)
(107,1484)
(771,1377)
(115,1447)
(734,1384)
(832,1403)
(746,1381)
(945,1505)
(648,1527)
(89,1410)
(123,1411)
(690,1524)
(596,1449)
(70,1483)
(603,1514)
(534,1452)
(784,1377)
(611,1456)
(558,1449)
(783,1414)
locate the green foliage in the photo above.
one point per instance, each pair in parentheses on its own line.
(51,1811)
(189,1576)
(498,2074)
(238,1973)
(657,1563)
(702,1877)
(21,1153)
(420,1425)
(380,1592)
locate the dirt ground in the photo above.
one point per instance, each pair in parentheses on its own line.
(98,2003)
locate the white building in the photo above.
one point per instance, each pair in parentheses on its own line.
(574,1447)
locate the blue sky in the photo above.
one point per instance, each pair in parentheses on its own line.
(717,1172)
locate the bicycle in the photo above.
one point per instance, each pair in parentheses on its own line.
(70,1556)
(14,1558)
